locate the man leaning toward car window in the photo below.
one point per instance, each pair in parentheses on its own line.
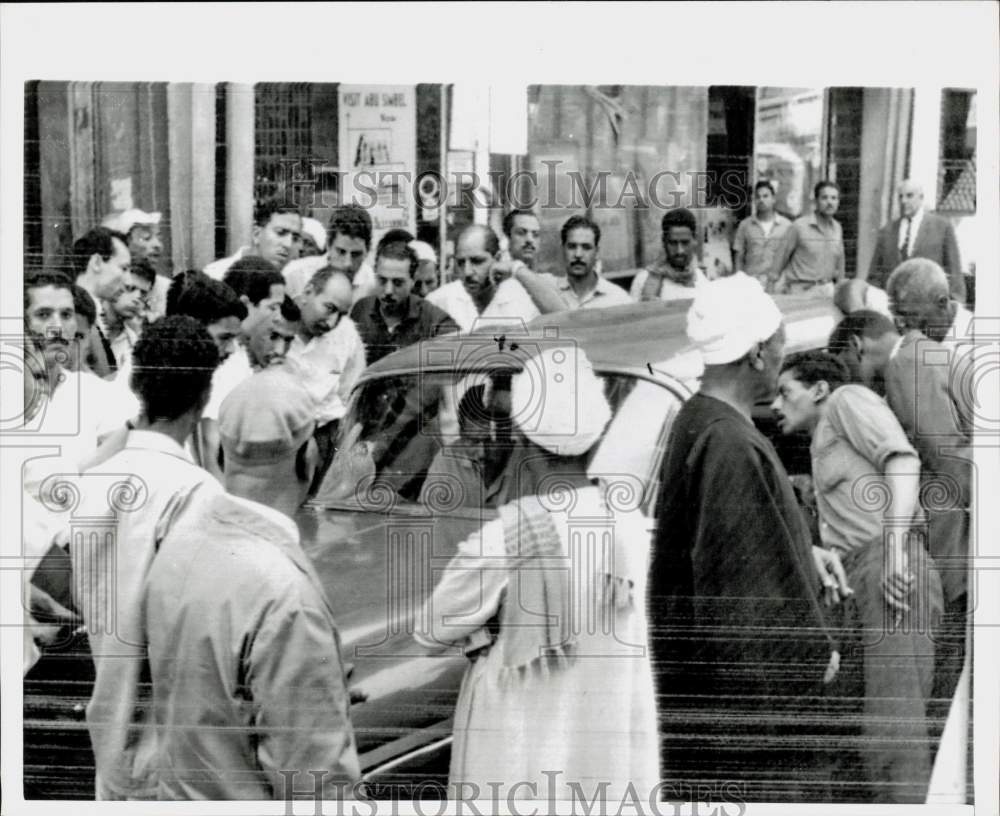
(740,641)
(248,679)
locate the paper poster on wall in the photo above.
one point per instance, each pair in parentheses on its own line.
(378,152)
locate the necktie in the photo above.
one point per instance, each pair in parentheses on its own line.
(904,249)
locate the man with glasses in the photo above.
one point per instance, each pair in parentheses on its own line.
(329,355)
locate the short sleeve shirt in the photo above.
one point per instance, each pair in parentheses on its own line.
(857,435)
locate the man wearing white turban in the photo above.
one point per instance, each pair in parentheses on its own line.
(741,639)
(560,699)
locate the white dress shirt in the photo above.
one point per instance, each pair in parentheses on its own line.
(329,366)
(511,304)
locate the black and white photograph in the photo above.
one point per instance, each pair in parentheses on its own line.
(500,408)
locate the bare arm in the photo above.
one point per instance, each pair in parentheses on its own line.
(544,296)
(207,447)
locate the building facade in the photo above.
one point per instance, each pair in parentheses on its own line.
(433,157)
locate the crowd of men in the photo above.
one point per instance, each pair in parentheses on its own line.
(222,391)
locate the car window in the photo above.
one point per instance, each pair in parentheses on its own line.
(438,443)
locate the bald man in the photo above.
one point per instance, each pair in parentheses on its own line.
(935,404)
(917,234)
(475,299)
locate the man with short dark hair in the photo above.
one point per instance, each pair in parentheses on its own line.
(396,317)
(812,254)
(759,236)
(80,408)
(865,341)
(679,275)
(524,233)
(173,366)
(276,237)
(917,234)
(218,308)
(100,260)
(582,287)
(350,242)
(268,335)
(241,635)
(856,441)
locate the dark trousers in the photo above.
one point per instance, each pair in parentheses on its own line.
(326,439)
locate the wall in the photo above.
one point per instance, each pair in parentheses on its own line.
(102,146)
(633,133)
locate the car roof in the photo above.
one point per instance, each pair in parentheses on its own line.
(635,337)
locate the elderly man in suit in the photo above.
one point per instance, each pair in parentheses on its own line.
(917,234)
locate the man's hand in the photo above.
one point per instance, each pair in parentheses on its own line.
(832,668)
(505,268)
(832,575)
(897,579)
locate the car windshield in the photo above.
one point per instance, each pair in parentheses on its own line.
(439,443)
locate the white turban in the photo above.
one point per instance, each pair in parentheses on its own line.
(729,316)
(558,402)
(314,229)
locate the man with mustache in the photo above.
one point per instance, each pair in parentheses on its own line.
(812,255)
(473,298)
(79,408)
(583,288)
(523,233)
(276,237)
(395,317)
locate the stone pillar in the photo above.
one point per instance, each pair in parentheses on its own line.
(191,113)
(239,164)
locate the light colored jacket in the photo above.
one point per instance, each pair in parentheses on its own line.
(245,660)
(126,507)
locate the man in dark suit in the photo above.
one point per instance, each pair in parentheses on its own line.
(917,234)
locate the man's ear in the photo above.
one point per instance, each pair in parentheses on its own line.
(756,356)
(245,300)
(94,262)
(254,234)
(822,390)
(856,344)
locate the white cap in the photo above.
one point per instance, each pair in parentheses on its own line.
(124,221)
(558,401)
(425,252)
(314,229)
(729,316)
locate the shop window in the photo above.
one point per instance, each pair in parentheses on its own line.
(282,133)
(788,148)
(957,157)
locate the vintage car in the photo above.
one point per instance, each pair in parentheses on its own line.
(381,527)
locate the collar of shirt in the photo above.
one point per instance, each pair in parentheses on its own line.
(156,441)
(693,274)
(813,221)
(600,288)
(774,222)
(896,347)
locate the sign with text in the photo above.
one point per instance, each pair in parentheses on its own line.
(378,152)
